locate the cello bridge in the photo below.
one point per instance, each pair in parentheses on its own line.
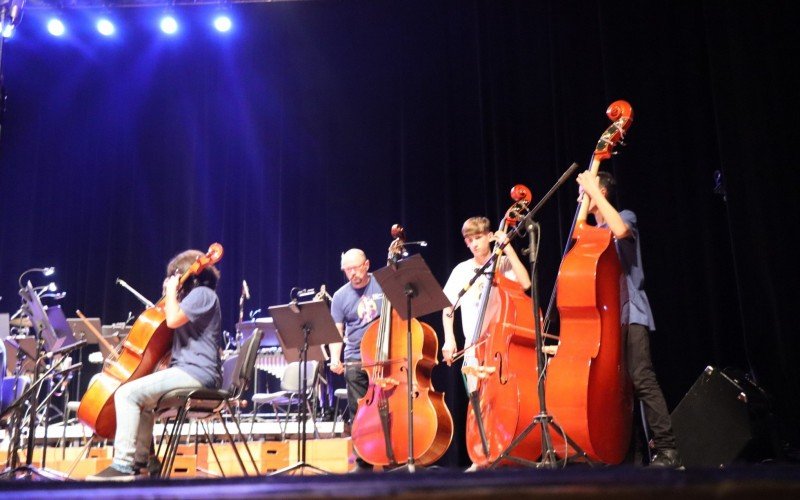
(480,372)
(385,382)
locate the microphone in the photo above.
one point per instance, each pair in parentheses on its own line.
(245,290)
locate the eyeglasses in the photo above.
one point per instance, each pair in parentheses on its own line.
(349,269)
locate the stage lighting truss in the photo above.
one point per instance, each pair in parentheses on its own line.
(11,13)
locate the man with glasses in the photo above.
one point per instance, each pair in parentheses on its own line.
(354,307)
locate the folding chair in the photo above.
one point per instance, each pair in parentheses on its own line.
(289,395)
(205,405)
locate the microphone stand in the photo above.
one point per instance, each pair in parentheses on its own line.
(136,294)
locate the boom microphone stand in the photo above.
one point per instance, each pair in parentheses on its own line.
(543,420)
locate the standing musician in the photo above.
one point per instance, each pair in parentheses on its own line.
(354,306)
(636,316)
(193,312)
(478,237)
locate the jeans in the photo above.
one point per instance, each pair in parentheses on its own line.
(645,385)
(357,383)
(135,402)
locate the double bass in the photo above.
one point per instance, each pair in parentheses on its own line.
(146,344)
(505,400)
(588,388)
(380,427)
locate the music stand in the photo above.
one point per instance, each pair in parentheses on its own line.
(266,325)
(114,334)
(405,282)
(300,325)
(81,331)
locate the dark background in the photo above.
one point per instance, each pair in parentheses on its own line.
(315,126)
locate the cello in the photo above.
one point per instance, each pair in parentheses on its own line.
(146,344)
(588,388)
(505,400)
(380,427)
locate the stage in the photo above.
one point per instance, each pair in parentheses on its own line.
(622,482)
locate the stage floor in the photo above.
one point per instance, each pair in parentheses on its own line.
(742,482)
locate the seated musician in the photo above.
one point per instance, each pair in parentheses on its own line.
(478,238)
(193,311)
(636,316)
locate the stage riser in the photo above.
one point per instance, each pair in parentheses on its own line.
(331,455)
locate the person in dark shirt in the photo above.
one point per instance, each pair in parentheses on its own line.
(193,311)
(354,307)
(636,316)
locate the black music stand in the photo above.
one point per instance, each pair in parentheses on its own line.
(406,282)
(267,327)
(81,331)
(301,325)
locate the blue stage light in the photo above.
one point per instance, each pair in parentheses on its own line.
(55,27)
(169,24)
(222,23)
(105,27)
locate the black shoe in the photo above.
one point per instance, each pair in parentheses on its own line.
(150,469)
(668,457)
(361,467)
(112,474)
(154,467)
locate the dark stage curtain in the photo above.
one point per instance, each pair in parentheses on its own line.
(315,126)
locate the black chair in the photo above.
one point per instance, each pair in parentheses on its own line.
(205,405)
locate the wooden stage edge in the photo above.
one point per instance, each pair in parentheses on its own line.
(331,455)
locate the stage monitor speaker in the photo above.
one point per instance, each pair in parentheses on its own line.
(718,419)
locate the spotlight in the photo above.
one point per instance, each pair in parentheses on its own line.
(55,27)
(168,24)
(222,23)
(8,30)
(105,27)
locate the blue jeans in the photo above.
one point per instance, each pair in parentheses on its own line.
(135,402)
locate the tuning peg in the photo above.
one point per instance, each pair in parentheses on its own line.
(622,143)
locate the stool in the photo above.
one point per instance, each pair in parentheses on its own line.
(340,395)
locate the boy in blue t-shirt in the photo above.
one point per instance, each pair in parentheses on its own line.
(193,312)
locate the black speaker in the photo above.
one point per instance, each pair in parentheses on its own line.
(720,418)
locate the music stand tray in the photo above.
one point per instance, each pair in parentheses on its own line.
(266,325)
(61,327)
(81,331)
(38,315)
(301,325)
(411,278)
